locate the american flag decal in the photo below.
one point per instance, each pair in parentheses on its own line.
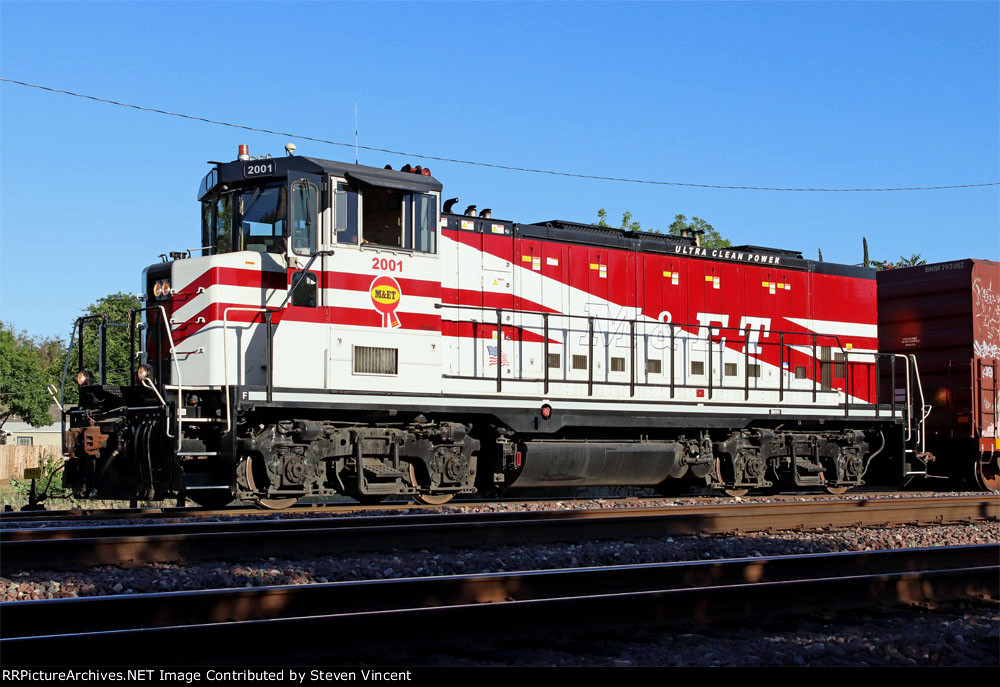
(492,350)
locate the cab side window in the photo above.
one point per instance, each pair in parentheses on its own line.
(383,217)
(305,209)
(425,223)
(345,204)
(222,234)
(304,293)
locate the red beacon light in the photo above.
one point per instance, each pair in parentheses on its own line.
(423,171)
(244,152)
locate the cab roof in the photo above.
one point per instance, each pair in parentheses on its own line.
(235,174)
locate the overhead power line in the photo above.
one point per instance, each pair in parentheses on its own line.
(510,168)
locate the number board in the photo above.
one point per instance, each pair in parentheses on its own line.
(259,168)
(32,473)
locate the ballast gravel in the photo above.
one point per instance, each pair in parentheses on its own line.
(952,635)
(160,577)
(965,634)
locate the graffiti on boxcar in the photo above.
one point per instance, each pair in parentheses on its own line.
(986,309)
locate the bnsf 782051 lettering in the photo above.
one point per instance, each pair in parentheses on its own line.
(340,333)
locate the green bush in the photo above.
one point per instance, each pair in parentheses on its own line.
(50,485)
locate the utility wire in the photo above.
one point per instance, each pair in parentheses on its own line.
(509,168)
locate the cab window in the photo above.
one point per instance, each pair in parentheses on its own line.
(304,294)
(263,213)
(222,229)
(425,223)
(383,217)
(345,205)
(399,219)
(305,208)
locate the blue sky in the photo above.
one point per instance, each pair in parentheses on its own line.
(740,93)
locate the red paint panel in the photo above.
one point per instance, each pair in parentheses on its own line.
(231,276)
(362,282)
(365,317)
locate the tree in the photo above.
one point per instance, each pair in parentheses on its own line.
(820,251)
(22,380)
(865,262)
(710,238)
(911,261)
(628,224)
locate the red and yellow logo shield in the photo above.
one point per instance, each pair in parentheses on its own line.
(386,294)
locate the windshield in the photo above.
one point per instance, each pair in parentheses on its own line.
(263,212)
(254,219)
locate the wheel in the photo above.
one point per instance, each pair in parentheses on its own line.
(836,491)
(988,475)
(275,504)
(266,504)
(427,499)
(735,493)
(433,499)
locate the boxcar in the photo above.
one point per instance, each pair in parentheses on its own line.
(948,315)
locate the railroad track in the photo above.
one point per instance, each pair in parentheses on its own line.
(62,547)
(375,619)
(170,512)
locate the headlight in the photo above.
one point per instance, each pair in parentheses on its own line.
(142,373)
(84,378)
(162,290)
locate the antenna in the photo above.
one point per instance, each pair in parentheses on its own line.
(355,132)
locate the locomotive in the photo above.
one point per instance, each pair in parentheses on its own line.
(343,331)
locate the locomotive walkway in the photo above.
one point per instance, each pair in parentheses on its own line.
(381,618)
(67,547)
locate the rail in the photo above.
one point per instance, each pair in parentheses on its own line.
(286,621)
(67,547)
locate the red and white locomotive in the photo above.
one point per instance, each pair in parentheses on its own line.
(340,334)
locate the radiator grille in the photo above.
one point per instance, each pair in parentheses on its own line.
(377,361)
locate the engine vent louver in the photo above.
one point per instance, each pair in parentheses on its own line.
(376,361)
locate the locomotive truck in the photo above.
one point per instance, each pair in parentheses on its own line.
(343,331)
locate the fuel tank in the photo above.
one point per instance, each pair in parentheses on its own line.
(598,463)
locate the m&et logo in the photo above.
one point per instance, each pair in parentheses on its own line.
(385,293)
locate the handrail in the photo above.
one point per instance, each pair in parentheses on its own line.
(743,335)
(62,382)
(785,339)
(51,388)
(225,353)
(165,321)
(716,328)
(925,409)
(312,259)
(267,312)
